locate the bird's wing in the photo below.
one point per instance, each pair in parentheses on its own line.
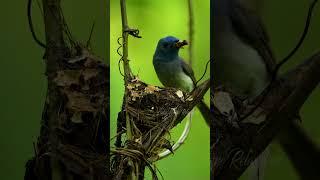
(188,70)
(250,29)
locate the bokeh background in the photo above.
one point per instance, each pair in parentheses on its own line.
(157,19)
(23,83)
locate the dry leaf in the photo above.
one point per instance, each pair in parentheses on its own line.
(67,77)
(179,94)
(134,95)
(89,73)
(151,89)
(223,102)
(79,102)
(76,118)
(130,86)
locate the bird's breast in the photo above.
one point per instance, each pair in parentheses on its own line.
(238,66)
(171,74)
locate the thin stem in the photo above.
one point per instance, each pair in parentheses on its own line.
(36,39)
(127,75)
(125,27)
(190,31)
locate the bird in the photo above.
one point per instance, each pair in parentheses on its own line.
(244,59)
(244,62)
(173,71)
(170,68)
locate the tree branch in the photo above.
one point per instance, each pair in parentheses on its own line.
(301,150)
(54,34)
(234,153)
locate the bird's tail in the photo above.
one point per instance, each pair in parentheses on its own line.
(258,166)
(205,112)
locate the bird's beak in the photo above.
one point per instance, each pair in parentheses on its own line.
(180,44)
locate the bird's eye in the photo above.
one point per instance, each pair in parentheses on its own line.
(165,45)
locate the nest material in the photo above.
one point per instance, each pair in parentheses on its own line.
(80,90)
(151,112)
(234,132)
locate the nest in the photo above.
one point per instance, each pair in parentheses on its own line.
(234,141)
(151,112)
(74,123)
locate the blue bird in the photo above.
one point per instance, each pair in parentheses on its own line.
(173,71)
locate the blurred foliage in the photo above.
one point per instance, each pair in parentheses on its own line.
(157,19)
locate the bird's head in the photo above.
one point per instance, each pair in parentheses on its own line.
(169,46)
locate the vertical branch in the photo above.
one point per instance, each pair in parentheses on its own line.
(125,34)
(54,33)
(137,172)
(126,67)
(54,54)
(190,11)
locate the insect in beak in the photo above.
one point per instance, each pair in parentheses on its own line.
(180,44)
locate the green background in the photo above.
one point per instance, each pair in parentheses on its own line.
(23,84)
(157,19)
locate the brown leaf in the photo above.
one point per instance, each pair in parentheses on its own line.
(67,77)
(151,89)
(89,73)
(80,102)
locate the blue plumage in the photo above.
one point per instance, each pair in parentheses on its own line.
(172,71)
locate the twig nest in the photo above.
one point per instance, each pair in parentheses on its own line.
(75,117)
(83,90)
(232,107)
(235,134)
(153,111)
